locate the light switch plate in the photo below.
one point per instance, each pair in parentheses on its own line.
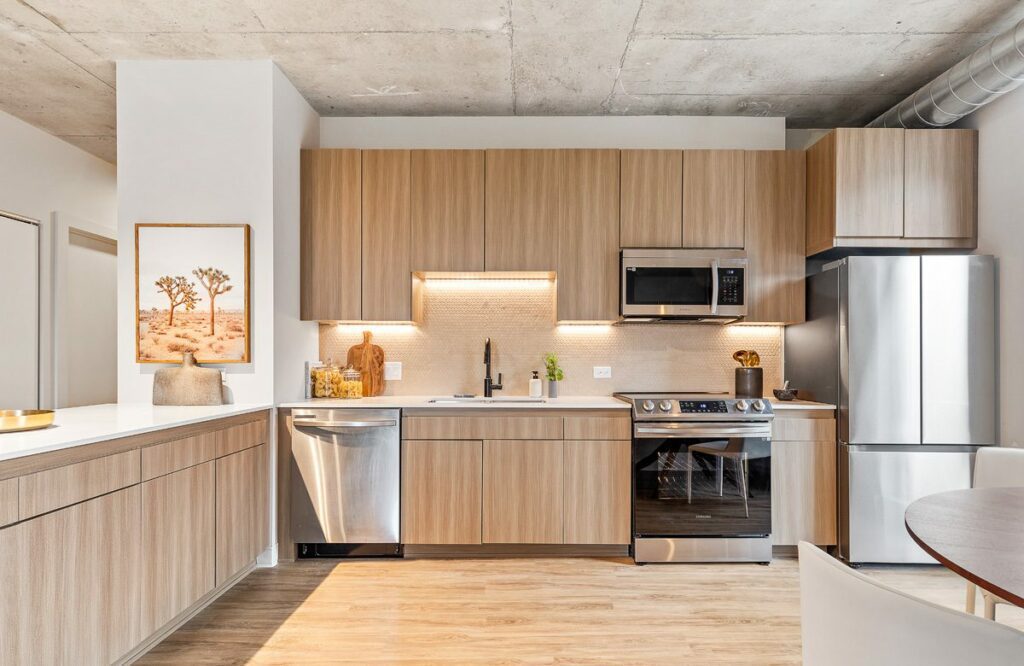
(393,370)
(602,372)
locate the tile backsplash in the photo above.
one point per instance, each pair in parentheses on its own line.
(444,354)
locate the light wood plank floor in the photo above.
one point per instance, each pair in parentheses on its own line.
(517,611)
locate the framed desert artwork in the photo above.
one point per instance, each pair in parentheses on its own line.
(192,292)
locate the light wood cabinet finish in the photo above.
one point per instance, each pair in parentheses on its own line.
(588,236)
(70,583)
(522,209)
(775,235)
(180,453)
(821,194)
(242,520)
(941,183)
(599,427)
(240,437)
(713,184)
(522,491)
(447,210)
(330,234)
(387,234)
(597,491)
(8,501)
(441,497)
(810,426)
(651,203)
(482,427)
(178,518)
(62,486)
(869,182)
(803,492)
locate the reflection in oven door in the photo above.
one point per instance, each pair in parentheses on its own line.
(702,487)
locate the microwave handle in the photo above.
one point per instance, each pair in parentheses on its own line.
(714,286)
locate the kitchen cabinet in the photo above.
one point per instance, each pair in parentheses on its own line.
(178,552)
(441,483)
(61,486)
(588,236)
(651,198)
(70,583)
(713,184)
(804,477)
(597,481)
(522,491)
(774,193)
(8,501)
(940,183)
(447,210)
(522,210)
(241,512)
(330,233)
(386,236)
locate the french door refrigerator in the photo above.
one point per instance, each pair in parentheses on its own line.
(906,348)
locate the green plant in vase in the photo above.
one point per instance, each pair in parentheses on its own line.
(554,374)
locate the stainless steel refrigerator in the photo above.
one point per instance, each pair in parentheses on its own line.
(906,347)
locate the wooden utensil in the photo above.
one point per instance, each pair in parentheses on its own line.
(368,358)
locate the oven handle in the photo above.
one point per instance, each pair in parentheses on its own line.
(685,430)
(714,286)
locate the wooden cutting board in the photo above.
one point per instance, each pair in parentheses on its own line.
(368,359)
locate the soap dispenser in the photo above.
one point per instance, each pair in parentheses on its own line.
(535,386)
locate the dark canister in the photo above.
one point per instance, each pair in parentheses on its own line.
(749,382)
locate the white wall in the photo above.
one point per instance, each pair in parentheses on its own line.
(554,132)
(1000,221)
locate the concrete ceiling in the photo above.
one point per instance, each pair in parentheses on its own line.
(820,63)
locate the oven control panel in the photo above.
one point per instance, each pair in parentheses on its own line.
(703,407)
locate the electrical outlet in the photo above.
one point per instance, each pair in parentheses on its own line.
(393,370)
(602,372)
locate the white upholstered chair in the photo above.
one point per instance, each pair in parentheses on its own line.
(995,467)
(849,619)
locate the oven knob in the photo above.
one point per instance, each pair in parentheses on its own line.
(741,405)
(758,405)
(665,406)
(648,405)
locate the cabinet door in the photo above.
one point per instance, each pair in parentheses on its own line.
(803,492)
(713,198)
(775,235)
(522,192)
(330,233)
(387,272)
(651,205)
(441,491)
(447,210)
(522,491)
(588,236)
(178,513)
(242,512)
(941,183)
(597,492)
(70,583)
(869,183)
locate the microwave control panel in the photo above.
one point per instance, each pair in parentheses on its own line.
(730,286)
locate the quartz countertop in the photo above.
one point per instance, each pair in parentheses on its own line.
(78,426)
(423,402)
(785,405)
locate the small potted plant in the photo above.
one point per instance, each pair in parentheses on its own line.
(554,374)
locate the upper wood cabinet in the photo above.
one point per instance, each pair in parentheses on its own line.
(775,236)
(588,236)
(387,271)
(447,210)
(522,209)
(651,199)
(330,234)
(713,198)
(940,197)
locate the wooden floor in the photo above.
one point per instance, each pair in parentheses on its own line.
(517,611)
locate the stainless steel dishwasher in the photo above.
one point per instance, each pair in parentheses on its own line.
(345,481)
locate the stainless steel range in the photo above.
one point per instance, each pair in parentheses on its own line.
(701,478)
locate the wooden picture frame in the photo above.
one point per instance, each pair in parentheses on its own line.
(196,264)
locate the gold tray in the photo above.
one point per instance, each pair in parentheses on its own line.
(15,420)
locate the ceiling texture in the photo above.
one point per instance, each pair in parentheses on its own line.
(819,63)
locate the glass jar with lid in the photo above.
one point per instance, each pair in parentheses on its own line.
(351,383)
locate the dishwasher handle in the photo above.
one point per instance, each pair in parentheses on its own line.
(308,420)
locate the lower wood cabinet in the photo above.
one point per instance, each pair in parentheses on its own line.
(804,481)
(522,491)
(441,492)
(597,491)
(242,512)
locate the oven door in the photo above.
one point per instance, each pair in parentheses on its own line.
(676,286)
(715,484)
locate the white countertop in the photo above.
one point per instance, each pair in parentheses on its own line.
(785,405)
(423,402)
(77,426)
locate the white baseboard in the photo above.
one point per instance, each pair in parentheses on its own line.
(267,558)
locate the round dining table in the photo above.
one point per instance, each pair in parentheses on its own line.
(978,533)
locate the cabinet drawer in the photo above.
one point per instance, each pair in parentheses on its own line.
(804,429)
(8,501)
(178,454)
(240,437)
(53,488)
(482,427)
(598,427)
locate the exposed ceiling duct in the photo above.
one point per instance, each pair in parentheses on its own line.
(992,70)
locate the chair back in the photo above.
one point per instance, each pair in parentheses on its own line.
(999,467)
(849,619)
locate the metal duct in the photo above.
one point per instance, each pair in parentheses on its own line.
(992,70)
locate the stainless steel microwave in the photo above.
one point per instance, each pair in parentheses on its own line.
(687,285)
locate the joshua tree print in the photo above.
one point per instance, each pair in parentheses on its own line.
(216,283)
(179,291)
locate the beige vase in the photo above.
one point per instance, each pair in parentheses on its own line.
(187,385)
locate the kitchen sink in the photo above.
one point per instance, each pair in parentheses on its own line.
(477,400)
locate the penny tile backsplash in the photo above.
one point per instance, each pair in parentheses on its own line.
(444,354)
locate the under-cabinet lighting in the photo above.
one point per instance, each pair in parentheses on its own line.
(755,330)
(375,326)
(490,285)
(584,328)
